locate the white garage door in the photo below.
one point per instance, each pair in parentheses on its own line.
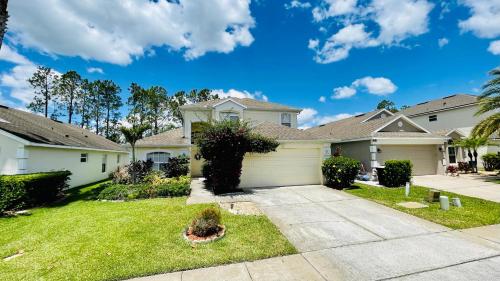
(286,166)
(423,157)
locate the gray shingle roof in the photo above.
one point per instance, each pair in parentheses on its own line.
(249,103)
(172,137)
(441,104)
(40,130)
(280,132)
(354,128)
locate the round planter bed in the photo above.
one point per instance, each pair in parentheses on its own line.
(197,239)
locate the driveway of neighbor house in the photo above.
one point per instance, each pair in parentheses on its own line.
(469,185)
(343,237)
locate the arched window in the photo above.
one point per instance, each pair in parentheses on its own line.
(159,159)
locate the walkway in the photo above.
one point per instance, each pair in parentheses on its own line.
(342,237)
(469,185)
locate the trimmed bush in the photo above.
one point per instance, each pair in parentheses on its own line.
(206,223)
(30,190)
(491,161)
(176,166)
(464,167)
(396,173)
(340,172)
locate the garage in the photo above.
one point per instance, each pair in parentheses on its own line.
(423,157)
(287,166)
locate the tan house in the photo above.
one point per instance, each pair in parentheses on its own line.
(380,135)
(451,113)
(297,160)
(31,143)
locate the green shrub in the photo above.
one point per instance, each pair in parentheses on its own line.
(464,167)
(223,146)
(168,187)
(30,190)
(176,166)
(396,173)
(340,172)
(116,192)
(491,161)
(154,177)
(206,223)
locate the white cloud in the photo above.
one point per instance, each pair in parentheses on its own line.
(377,86)
(443,42)
(322,99)
(494,47)
(119,31)
(16,78)
(333,8)
(343,92)
(396,20)
(309,118)
(240,94)
(297,4)
(11,55)
(95,70)
(484,20)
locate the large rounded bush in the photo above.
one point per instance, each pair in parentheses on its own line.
(395,173)
(340,172)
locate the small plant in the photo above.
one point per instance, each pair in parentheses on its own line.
(491,161)
(139,169)
(207,223)
(464,167)
(154,178)
(340,172)
(453,170)
(176,166)
(121,176)
(396,173)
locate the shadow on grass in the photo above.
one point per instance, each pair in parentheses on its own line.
(87,192)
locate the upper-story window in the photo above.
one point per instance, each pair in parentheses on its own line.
(159,159)
(232,116)
(84,157)
(286,119)
(433,118)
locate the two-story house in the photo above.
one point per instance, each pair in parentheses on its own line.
(447,114)
(297,160)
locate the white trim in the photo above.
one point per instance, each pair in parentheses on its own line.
(410,141)
(404,118)
(229,99)
(455,131)
(383,109)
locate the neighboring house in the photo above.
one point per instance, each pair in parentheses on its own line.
(297,160)
(380,135)
(31,143)
(455,112)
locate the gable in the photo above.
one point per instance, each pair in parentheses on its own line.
(229,105)
(382,114)
(401,125)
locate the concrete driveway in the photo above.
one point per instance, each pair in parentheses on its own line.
(469,185)
(343,237)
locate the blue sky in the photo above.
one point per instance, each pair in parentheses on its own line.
(333,58)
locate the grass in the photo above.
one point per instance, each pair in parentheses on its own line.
(84,239)
(475,212)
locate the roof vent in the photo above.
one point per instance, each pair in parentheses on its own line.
(322,125)
(86,136)
(447,97)
(422,103)
(67,136)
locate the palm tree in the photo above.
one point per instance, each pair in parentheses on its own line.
(132,135)
(489,100)
(472,144)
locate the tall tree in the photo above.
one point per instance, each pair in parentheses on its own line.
(111,103)
(489,100)
(403,107)
(196,96)
(96,113)
(42,82)
(68,90)
(4,16)
(138,104)
(387,104)
(82,106)
(157,107)
(181,98)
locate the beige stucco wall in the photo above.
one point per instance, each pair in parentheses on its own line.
(406,127)
(451,119)
(192,117)
(8,159)
(359,150)
(254,116)
(42,159)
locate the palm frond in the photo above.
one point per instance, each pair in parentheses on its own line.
(487,127)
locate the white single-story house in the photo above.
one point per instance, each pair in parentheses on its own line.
(31,143)
(297,160)
(381,135)
(454,112)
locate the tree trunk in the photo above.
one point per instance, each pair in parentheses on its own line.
(107,122)
(133,162)
(70,108)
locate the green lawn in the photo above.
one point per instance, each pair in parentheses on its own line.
(83,239)
(475,212)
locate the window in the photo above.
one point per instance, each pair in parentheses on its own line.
(104,162)
(286,119)
(452,156)
(232,116)
(118,159)
(159,159)
(84,157)
(433,118)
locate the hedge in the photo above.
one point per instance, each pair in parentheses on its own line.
(396,173)
(491,161)
(30,190)
(340,172)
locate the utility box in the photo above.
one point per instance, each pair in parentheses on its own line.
(433,195)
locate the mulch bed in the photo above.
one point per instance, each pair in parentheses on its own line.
(188,235)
